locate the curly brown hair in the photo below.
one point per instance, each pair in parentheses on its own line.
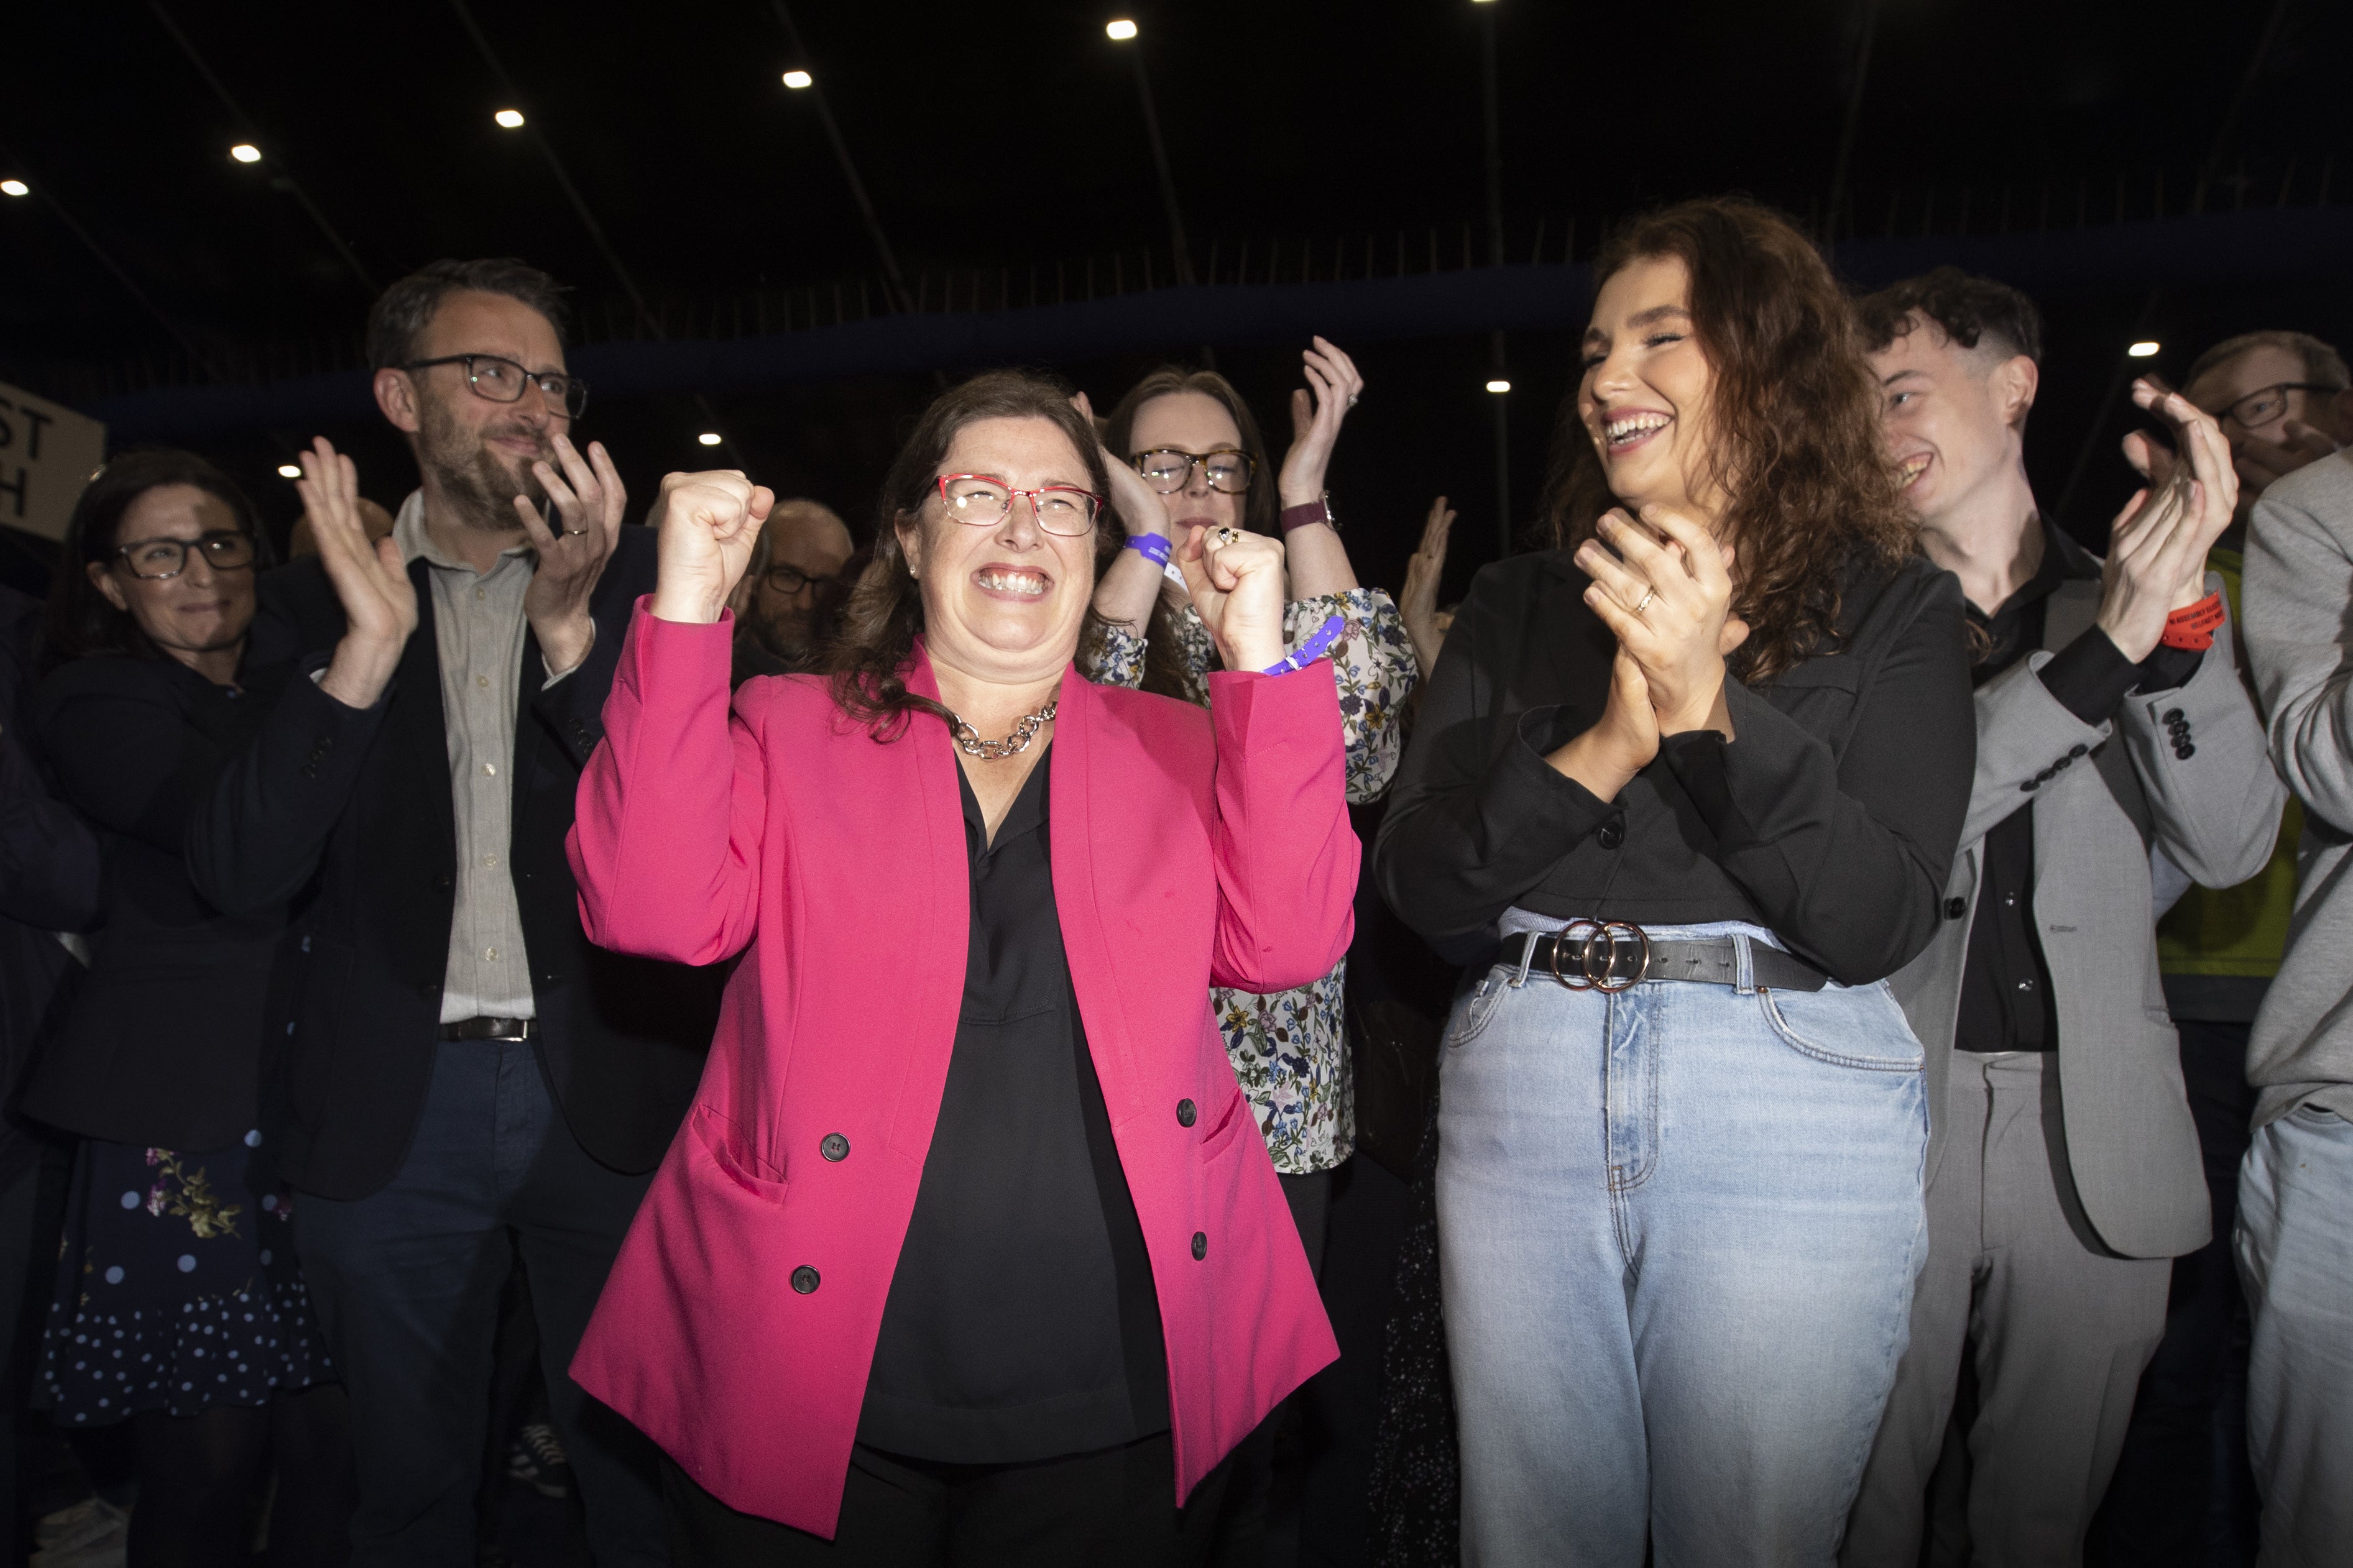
(868,661)
(1797,412)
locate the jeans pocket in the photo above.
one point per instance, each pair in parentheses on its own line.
(1471,1013)
(1849,1026)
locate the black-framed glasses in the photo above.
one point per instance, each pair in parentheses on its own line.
(2265,405)
(983,499)
(156,559)
(1171,469)
(792,579)
(502,381)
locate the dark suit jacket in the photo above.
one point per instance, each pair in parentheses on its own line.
(163,1046)
(52,879)
(348,812)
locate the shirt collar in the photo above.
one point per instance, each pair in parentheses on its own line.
(1027,812)
(415,544)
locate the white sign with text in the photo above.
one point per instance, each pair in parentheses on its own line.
(47,453)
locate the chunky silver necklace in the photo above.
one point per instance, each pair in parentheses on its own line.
(969,743)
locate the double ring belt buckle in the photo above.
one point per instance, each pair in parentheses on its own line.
(1585,933)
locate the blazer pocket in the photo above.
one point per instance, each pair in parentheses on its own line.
(717,1140)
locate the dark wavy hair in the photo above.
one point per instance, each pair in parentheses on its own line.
(81,620)
(1164,661)
(1795,411)
(868,661)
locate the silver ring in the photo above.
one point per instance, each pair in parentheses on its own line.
(1225,536)
(1646,598)
(574,532)
(1352,400)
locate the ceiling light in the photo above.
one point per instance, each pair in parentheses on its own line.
(511,119)
(1499,387)
(2145,349)
(289,471)
(1119,32)
(15,188)
(798,79)
(245,152)
(709,437)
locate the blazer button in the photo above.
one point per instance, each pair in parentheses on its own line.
(430,990)
(2173,716)
(1955,906)
(2078,749)
(2185,751)
(805,1279)
(1200,1245)
(1186,1113)
(1612,835)
(834,1147)
(441,880)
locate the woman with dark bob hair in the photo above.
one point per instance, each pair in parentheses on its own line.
(179,1305)
(1700,772)
(969,1250)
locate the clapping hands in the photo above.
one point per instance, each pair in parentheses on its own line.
(369,575)
(2157,544)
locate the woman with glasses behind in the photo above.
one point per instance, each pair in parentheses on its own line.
(1192,438)
(179,1305)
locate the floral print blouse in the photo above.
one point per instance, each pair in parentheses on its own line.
(1289,1049)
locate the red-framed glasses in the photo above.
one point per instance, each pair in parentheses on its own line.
(983,499)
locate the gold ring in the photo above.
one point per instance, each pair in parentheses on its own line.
(1646,598)
(1227,536)
(574,532)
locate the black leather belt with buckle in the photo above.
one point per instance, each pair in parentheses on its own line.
(1616,955)
(490,1029)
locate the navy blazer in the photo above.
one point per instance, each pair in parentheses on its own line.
(348,812)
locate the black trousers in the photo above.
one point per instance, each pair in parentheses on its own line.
(1111,1506)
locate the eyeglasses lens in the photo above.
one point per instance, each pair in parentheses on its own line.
(1170,471)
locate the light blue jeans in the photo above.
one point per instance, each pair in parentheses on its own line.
(1677,1230)
(2295,1257)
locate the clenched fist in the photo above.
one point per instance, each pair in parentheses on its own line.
(708,523)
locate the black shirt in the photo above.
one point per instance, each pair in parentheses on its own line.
(1830,820)
(1021,1323)
(2006,1002)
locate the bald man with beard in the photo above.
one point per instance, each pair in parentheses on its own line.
(787,602)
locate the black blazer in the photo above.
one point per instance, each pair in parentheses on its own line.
(162,1045)
(349,814)
(52,879)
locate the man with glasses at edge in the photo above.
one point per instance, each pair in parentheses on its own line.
(469,1085)
(2281,400)
(786,605)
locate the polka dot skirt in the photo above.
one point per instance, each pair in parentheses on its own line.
(178,1287)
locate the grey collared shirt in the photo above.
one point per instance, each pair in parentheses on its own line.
(478,627)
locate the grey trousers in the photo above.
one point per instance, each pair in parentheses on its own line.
(2062,1328)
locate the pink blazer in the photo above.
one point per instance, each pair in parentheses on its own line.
(1190,848)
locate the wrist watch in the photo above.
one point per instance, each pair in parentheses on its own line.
(1311,511)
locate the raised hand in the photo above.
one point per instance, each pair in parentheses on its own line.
(1666,594)
(1315,421)
(589,501)
(2157,544)
(1142,510)
(1418,600)
(707,524)
(369,577)
(1237,586)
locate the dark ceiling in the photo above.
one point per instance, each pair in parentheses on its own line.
(1010,135)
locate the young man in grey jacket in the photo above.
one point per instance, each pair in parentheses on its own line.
(2063,1171)
(2296,1189)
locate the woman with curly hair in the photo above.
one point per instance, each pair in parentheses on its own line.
(1685,791)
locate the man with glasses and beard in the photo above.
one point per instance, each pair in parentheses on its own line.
(468,1084)
(788,598)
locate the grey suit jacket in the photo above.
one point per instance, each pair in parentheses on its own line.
(2099,808)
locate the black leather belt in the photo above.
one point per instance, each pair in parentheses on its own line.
(490,1029)
(1616,956)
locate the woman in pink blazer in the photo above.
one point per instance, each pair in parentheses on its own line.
(968,1250)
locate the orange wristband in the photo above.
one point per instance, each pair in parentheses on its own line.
(2192,629)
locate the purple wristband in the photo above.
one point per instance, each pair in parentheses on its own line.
(1315,648)
(1153,547)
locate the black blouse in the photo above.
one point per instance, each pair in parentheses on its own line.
(1022,1322)
(1831,818)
